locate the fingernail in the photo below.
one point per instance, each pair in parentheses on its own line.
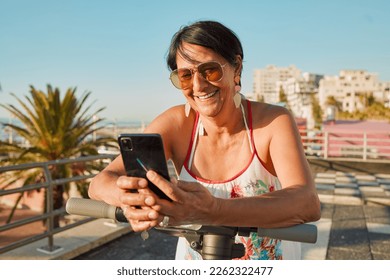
(149,201)
(119,182)
(151,174)
(153,215)
(124,209)
(142,183)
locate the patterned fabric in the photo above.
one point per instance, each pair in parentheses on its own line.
(253,180)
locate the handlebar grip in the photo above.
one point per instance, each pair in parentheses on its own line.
(302,233)
(91,208)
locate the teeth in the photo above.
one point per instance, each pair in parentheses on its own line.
(207,95)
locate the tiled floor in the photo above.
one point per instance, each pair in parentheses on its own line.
(358,208)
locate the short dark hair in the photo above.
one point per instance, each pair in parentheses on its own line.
(209,34)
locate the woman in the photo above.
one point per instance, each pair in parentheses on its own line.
(241,162)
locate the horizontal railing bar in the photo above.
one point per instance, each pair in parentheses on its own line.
(313,144)
(347,159)
(23,222)
(33,219)
(29,187)
(46,234)
(321,132)
(72,179)
(53,162)
(23,242)
(351,145)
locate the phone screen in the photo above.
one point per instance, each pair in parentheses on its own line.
(143,152)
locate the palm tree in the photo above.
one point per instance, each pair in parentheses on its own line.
(316,110)
(332,101)
(53,128)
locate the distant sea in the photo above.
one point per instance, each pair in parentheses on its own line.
(119,124)
(104,122)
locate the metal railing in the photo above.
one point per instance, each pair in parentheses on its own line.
(357,146)
(48,184)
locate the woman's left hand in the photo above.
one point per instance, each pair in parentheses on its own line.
(191,202)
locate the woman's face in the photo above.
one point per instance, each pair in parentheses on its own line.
(208,98)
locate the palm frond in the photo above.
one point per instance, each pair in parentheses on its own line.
(55,128)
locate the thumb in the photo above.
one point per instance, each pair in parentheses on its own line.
(173,180)
(188,186)
(167,187)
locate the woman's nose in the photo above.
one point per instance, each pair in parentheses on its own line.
(198,82)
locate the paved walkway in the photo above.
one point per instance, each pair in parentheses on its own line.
(356,209)
(355,224)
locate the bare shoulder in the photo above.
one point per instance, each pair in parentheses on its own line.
(164,122)
(174,127)
(266,116)
(272,125)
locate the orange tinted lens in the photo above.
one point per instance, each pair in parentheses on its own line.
(211,71)
(185,77)
(181,78)
(184,74)
(175,80)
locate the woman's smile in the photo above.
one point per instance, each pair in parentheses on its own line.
(206,96)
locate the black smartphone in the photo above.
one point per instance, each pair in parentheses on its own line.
(142,152)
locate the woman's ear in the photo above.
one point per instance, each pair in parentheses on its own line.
(238,65)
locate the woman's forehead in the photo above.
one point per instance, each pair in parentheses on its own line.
(195,54)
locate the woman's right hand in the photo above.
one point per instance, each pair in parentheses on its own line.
(138,202)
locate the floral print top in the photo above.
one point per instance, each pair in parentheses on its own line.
(253,180)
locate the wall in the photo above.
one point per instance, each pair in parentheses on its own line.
(321,165)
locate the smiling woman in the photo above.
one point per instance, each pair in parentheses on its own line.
(241,163)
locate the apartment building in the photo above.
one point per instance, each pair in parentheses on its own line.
(351,87)
(299,91)
(265,81)
(385,88)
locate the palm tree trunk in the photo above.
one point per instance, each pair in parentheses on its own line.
(14,208)
(58,202)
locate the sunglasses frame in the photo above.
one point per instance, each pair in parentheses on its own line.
(175,75)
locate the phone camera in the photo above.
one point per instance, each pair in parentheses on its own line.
(127,144)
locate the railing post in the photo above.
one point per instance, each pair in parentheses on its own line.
(326,143)
(50,248)
(365,146)
(49,216)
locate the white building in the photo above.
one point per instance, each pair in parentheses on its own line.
(265,81)
(350,89)
(385,88)
(299,93)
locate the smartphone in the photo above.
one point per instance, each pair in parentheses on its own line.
(142,152)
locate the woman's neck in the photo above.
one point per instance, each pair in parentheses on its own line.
(228,122)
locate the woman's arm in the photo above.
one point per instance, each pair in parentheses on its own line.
(132,194)
(279,146)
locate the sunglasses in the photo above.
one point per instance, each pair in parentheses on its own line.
(211,71)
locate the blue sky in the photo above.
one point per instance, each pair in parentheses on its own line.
(116,49)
